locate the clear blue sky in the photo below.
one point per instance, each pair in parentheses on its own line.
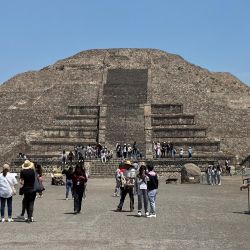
(214,34)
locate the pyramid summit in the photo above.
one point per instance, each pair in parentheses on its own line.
(124,95)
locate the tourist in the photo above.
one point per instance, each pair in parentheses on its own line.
(218,175)
(228,167)
(209,174)
(27,180)
(152,187)
(118,182)
(70,156)
(39,172)
(158,150)
(127,185)
(181,153)
(79,179)
(129,151)
(7,190)
(168,150)
(134,150)
(171,147)
(64,157)
(173,153)
(125,151)
(85,184)
(103,156)
(213,176)
(69,182)
(141,190)
(190,152)
(163,149)
(118,150)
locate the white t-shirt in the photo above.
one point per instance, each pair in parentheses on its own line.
(6,184)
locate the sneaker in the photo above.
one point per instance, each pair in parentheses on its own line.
(32,219)
(10,220)
(118,210)
(67,199)
(151,216)
(3,220)
(139,213)
(147,214)
(114,195)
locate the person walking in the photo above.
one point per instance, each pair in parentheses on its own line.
(7,190)
(141,190)
(152,187)
(69,182)
(27,180)
(79,179)
(127,186)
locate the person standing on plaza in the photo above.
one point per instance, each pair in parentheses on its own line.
(141,190)
(209,173)
(39,172)
(7,190)
(152,187)
(213,175)
(218,175)
(69,182)
(79,179)
(127,186)
(118,182)
(27,180)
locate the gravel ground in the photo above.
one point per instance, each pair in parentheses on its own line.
(188,217)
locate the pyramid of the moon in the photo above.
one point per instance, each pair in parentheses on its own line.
(124,95)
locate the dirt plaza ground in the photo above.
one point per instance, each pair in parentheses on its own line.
(188,217)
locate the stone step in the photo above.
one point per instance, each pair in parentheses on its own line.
(173,119)
(58,144)
(76,117)
(83,110)
(70,132)
(64,141)
(166,108)
(93,122)
(201,146)
(166,133)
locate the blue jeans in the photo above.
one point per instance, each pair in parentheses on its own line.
(69,187)
(9,204)
(142,195)
(151,199)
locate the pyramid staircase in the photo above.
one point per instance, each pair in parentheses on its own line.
(79,126)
